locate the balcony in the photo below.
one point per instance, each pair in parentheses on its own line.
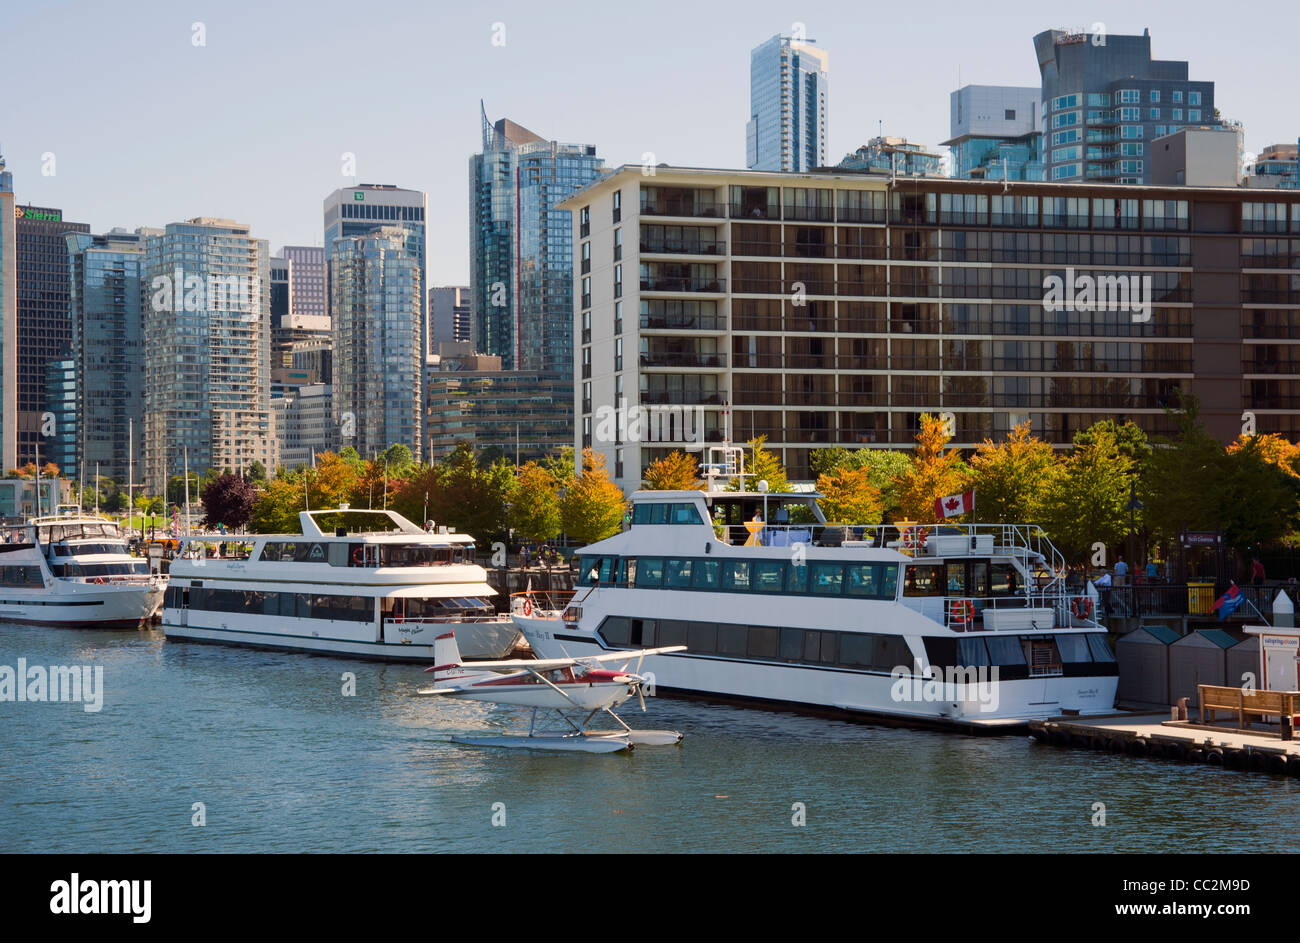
(696,209)
(684,322)
(758,286)
(666,358)
(683,398)
(754,211)
(684,283)
(684,247)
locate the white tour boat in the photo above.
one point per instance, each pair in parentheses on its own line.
(365,583)
(964,624)
(74,569)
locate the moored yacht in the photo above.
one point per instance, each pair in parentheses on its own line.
(74,569)
(966,624)
(364,583)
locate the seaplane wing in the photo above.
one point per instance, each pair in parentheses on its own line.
(545,664)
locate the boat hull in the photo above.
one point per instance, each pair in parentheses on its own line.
(1001,704)
(84,605)
(477,640)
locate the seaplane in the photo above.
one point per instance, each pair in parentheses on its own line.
(574,689)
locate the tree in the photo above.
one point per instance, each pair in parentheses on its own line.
(931,473)
(593,506)
(535,506)
(50,470)
(676,471)
(461,493)
(229,500)
(1009,477)
(399,460)
(885,469)
(1085,496)
(562,467)
(256,472)
(335,479)
(1274,449)
(763,466)
(848,497)
(276,511)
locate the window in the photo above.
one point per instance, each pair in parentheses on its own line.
(1193,114)
(677,574)
(1193,98)
(1155,95)
(796,579)
(618,281)
(586,257)
(1128,96)
(1178,114)
(649,572)
(585,219)
(618,317)
(706,574)
(586,291)
(827,579)
(768,576)
(618,353)
(1154,114)
(1178,97)
(618,245)
(736,576)
(618,206)
(1010,114)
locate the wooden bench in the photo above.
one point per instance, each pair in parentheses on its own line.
(1280,704)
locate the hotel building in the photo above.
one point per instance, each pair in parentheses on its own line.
(833,309)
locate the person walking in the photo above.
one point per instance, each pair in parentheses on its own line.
(1256,572)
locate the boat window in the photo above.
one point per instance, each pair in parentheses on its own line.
(979,579)
(827,578)
(892,652)
(856,650)
(672,632)
(650,572)
(1073,648)
(796,579)
(921,581)
(706,574)
(763,641)
(616,630)
(871,580)
(686,514)
(1099,647)
(677,574)
(733,640)
(735,575)
(1005,651)
(21,576)
(956,577)
(792,644)
(1003,580)
(643,632)
(702,637)
(628,571)
(768,576)
(588,570)
(971,653)
(608,567)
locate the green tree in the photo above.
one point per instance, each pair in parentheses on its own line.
(277,507)
(1009,477)
(535,506)
(1085,495)
(462,494)
(256,472)
(762,464)
(592,507)
(400,461)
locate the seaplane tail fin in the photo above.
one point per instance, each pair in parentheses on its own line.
(446,655)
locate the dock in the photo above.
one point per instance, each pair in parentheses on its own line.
(1155,736)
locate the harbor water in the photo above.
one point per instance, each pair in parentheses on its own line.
(270,753)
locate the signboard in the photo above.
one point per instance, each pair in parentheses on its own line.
(358,194)
(30,212)
(1201,538)
(1278,656)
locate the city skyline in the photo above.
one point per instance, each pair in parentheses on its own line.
(274,184)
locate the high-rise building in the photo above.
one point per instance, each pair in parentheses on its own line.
(61,405)
(377,310)
(895,156)
(306,280)
(207,349)
(1276,167)
(107,295)
(834,309)
(521,248)
(994,133)
(787,106)
(1103,104)
(450,317)
(304,424)
(44,328)
(8,324)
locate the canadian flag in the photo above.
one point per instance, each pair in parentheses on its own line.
(956,504)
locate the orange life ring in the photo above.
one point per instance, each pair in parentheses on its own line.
(358,556)
(528,606)
(961,611)
(99,581)
(1081,606)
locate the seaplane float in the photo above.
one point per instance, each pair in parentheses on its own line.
(576,690)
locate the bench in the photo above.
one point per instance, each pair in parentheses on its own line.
(1280,704)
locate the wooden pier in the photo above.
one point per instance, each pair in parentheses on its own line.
(1155,736)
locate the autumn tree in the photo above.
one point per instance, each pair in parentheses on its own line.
(932,473)
(676,471)
(885,469)
(848,497)
(535,506)
(592,507)
(1009,477)
(1085,495)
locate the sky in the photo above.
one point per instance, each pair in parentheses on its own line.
(145,126)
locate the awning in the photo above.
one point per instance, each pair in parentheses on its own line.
(439,591)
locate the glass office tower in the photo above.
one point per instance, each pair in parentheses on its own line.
(787,105)
(521,249)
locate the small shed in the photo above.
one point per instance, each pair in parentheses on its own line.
(1143,657)
(1200,657)
(1243,658)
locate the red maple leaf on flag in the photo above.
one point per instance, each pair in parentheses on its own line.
(952,503)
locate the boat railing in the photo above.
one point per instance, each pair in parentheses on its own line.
(443,620)
(970,613)
(1025,540)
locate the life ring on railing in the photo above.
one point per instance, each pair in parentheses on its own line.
(99,581)
(913,539)
(358,556)
(528,606)
(961,612)
(1081,607)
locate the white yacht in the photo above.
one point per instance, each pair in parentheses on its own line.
(365,583)
(74,569)
(967,624)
